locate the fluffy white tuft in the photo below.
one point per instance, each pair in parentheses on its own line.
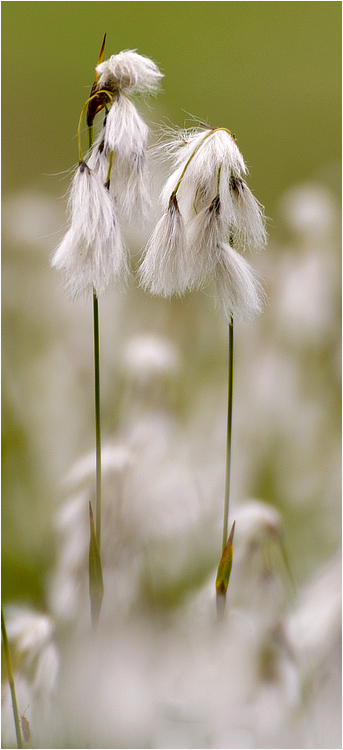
(167,265)
(125,135)
(237,289)
(130,72)
(91,254)
(205,232)
(124,132)
(249,223)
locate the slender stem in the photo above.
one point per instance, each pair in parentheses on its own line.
(228,441)
(96,397)
(97,417)
(11,680)
(90,136)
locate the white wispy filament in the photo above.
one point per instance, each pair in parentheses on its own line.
(125,135)
(238,291)
(91,254)
(164,270)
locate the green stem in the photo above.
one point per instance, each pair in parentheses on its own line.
(11,680)
(97,395)
(228,441)
(97,416)
(90,136)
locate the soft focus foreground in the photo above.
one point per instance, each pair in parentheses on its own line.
(163,672)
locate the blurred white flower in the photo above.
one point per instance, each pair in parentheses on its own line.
(68,589)
(309,209)
(255,520)
(30,220)
(37,663)
(115,459)
(260,569)
(314,625)
(149,356)
(29,631)
(91,254)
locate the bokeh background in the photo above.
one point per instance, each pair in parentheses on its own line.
(271,73)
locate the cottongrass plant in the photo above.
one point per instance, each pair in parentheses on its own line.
(124,133)
(269,674)
(105,189)
(210,215)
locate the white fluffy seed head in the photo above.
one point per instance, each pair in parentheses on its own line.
(218,149)
(219,214)
(211,164)
(91,254)
(130,72)
(206,154)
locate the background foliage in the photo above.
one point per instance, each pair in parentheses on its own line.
(269,71)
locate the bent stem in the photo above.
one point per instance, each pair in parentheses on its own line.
(11,680)
(228,440)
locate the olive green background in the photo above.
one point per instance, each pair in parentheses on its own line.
(268,71)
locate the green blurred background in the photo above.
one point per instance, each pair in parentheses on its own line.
(269,71)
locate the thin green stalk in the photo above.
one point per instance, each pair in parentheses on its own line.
(11,680)
(97,396)
(228,441)
(97,417)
